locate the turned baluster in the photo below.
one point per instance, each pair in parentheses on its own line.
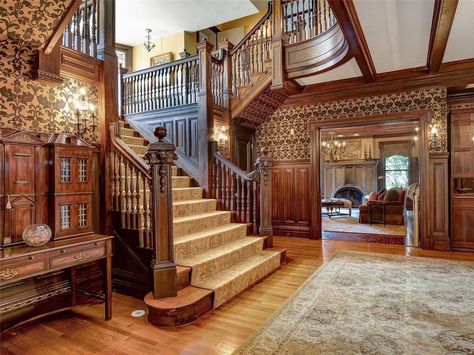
(146,212)
(238,181)
(116,181)
(139,199)
(136,193)
(222,196)
(248,202)
(232,191)
(242,200)
(218,181)
(123,195)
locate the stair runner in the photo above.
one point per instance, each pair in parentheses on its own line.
(222,257)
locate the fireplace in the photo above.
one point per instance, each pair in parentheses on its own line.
(351,193)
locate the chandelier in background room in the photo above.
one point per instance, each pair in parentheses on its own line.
(149,45)
(333,148)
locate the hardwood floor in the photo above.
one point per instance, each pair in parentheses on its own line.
(83,331)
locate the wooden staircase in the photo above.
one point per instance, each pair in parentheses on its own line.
(216,257)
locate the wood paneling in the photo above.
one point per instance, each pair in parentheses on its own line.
(462,171)
(438,201)
(79,66)
(291,198)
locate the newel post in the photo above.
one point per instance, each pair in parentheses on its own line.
(264,168)
(160,156)
(205,116)
(227,92)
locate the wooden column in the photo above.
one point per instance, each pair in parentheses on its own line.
(264,167)
(205,116)
(277,46)
(160,156)
(108,109)
(315,229)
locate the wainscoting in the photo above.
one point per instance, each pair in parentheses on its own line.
(291,198)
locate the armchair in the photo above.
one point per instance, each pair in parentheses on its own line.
(388,206)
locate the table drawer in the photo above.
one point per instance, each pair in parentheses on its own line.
(78,256)
(76,248)
(24,267)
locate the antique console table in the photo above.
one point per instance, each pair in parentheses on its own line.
(59,275)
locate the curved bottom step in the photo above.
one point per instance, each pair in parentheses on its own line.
(190,304)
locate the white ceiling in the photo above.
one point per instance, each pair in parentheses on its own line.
(461,38)
(397,32)
(165,17)
(345,71)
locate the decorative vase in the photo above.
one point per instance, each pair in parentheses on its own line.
(36,235)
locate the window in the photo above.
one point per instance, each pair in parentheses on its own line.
(124,56)
(396,171)
(65,170)
(82,215)
(82,170)
(65,211)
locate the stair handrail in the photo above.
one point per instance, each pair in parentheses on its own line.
(126,151)
(265,17)
(161,66)
(246,193)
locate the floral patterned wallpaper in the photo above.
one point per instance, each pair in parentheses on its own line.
(274,134)
(26,104)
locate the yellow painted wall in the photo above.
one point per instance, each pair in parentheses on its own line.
(174,43)
(248,22)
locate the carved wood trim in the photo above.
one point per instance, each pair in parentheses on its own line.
(80,66)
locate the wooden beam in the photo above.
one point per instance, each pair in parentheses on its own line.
(443,17)
(349,22)
(400,80)
(58,32)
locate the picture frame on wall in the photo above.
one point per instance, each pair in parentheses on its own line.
(161,59)
(353,151)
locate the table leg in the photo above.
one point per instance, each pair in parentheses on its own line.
(73,278)
(108,287)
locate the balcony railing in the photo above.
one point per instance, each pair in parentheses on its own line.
(81,34)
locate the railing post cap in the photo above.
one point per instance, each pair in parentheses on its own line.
(160,133)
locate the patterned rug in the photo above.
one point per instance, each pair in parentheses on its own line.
(366,303)
(366,238)
(352,225)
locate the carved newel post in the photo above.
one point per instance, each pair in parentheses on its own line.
(160,156)
(264,168)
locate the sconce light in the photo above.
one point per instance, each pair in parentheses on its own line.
(434,145)
(84,111)
(221,136)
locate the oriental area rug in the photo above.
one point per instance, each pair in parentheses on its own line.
(367,303)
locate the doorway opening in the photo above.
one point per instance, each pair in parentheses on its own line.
(368,177)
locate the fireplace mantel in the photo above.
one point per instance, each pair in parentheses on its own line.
(358,173)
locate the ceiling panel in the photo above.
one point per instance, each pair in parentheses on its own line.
(166,17)
(397,32)
(461,38)
(345,71)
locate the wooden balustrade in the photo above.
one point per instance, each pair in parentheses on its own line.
(251,54)
(305,19)
(217,82)
(81,34)
(247,194)
(130,180)
(168,85)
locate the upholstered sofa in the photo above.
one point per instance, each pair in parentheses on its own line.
(392,200)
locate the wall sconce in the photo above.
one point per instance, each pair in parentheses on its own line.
(84,111)
(221,136)
(434,145)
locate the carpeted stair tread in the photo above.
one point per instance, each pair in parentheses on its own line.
(181,181)
(191,207)
(187,193)
(197,222)
(208,232)
(199,216)
(198,242)
(231,281)
(225,249)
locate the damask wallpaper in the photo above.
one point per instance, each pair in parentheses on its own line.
(26,104)
(274,134)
